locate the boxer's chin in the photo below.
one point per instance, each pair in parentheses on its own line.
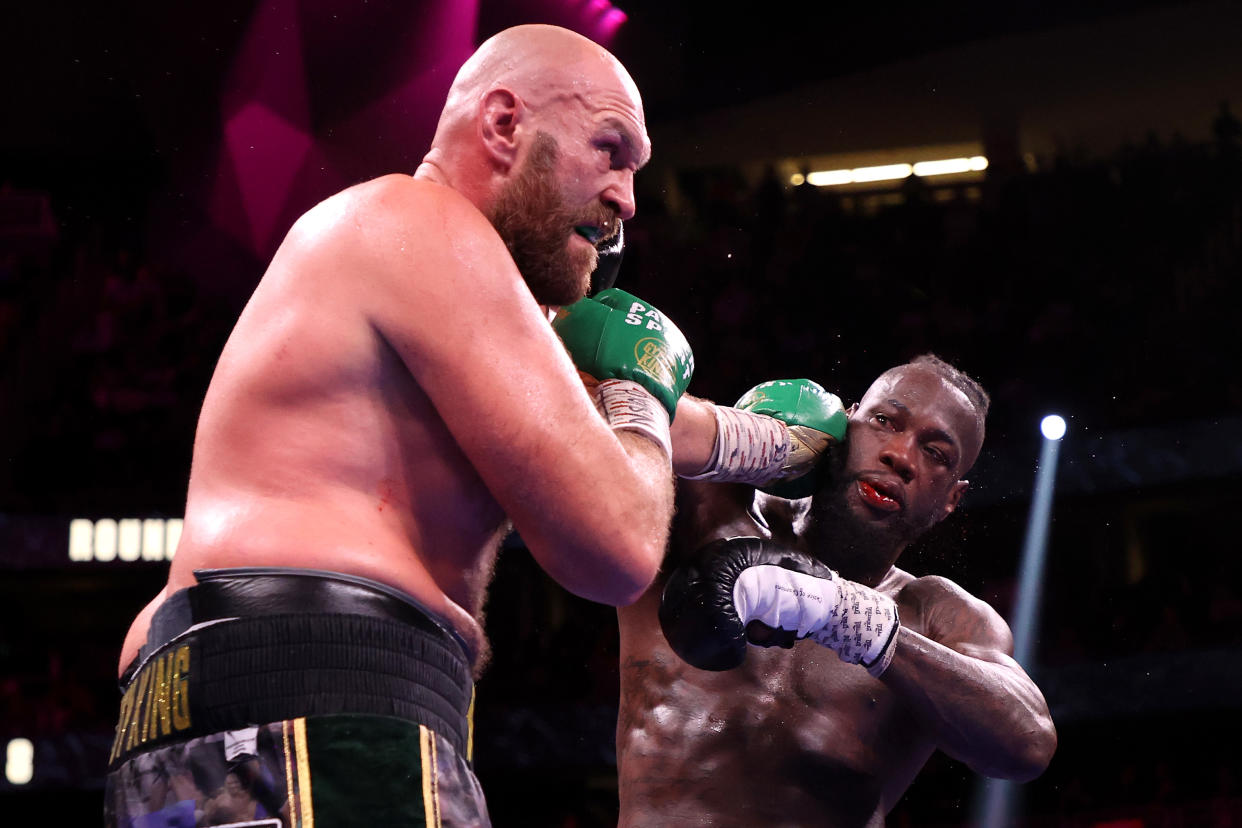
(557,270)
(585,260)
(560,283)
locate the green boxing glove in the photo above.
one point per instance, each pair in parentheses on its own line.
(614,335)
(775,437)
(815,419)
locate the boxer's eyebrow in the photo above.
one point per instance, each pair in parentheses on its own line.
(931,435)
(640,154)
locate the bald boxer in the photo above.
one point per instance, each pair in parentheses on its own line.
(784,672)
(391,402)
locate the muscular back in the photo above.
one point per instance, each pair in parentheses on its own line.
(389,395)
(790,738)
(317,447)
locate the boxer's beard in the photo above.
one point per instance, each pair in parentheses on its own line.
(855,547)
(531,217)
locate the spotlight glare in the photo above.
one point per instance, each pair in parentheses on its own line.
(945,166)
(893,172)
(1052,427)
(612,19)
(19,761)
(829,178)
(884,172)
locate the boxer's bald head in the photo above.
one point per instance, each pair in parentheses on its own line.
(543,131)
(544,68)
(968,403)
(540,64)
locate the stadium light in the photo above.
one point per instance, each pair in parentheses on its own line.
(19,761)
(1052,427)
(998,796)
(891,172)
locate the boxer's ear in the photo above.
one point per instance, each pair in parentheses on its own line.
(955,497)
(500,113)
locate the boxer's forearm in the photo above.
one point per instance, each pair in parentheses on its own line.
(987,714)
(608,543)
(693,432)
(774,438)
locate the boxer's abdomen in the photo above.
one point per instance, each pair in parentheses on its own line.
(789,738)
(317,448)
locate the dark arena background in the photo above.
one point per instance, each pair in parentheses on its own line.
(1079,250)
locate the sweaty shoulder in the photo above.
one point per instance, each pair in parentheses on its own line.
(406,250)
(707,512)
(952,616)
(403,196)
(398,218)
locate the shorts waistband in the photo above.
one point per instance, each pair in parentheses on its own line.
(246,647)
(246,592)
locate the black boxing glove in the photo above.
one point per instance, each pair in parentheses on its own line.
(608,265)
(748,590)
(697,610)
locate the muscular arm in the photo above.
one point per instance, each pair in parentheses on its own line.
(438,286)
(982,707)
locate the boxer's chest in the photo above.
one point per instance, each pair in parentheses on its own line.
(808,706)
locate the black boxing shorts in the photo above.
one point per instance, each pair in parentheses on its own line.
(286,697)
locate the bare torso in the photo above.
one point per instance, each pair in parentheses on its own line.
(317,448)
(790,738)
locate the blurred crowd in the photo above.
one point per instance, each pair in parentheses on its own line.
(1107,286)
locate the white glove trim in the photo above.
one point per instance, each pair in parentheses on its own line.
(785,599)
(853,620)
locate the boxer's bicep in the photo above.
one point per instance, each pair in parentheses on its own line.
(463,321)
(512,399)
(955,666)
(968,625)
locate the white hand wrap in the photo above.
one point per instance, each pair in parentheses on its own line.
(750,448)
(853,620)
(627,406)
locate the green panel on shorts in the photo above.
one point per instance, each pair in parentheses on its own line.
(365,770)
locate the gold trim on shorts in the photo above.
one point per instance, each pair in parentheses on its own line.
(431,776)
(301,809)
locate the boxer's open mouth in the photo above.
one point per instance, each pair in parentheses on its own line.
(879,496)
